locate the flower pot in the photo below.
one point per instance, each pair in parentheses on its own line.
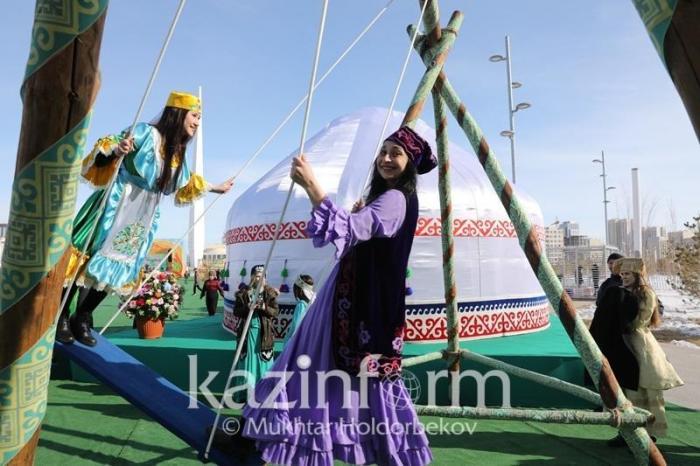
(150,329)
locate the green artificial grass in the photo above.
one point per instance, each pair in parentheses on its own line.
(86,424)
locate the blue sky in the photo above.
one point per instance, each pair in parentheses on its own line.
(588,68)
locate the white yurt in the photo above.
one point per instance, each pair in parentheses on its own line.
(498,293)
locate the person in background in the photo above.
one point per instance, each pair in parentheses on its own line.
(656,374)
(612,318)
(595,276)
(258,347)
(304,294)
(613,280)
(195,286)
(211,288)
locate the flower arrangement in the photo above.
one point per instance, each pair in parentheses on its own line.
(159,298)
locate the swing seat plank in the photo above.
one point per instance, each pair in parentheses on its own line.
(150,392)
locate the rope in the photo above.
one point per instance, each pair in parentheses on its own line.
(380,141)
(103,203)
(250,160)
(253,301)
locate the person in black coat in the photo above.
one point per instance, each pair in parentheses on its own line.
(614,279)
(611,321)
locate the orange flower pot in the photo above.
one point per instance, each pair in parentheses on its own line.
(150,329)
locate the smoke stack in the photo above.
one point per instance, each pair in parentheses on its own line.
(636,215)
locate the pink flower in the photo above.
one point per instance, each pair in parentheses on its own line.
(369,365)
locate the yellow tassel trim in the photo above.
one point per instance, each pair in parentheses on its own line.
(193,190)
(99,176)
(75,265)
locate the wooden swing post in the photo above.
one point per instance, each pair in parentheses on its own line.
(60,86)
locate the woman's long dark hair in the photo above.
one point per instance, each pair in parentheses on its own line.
(406,183)
(171,127)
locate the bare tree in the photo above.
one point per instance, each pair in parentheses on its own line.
(687,259)
(649,204)
(672,215)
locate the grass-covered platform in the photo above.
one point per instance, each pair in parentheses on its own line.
(87,423)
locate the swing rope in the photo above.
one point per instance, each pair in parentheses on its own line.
(261,283)
(409,53)
(248,162)
(107,190)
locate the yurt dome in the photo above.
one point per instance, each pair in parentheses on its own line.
(497,291)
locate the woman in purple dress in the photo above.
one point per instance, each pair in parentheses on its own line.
(342,397)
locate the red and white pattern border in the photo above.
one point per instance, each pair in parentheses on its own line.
(433,328)
(426,227)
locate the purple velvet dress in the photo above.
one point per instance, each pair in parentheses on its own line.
(354,325)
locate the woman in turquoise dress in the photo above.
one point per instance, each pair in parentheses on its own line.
(149,163)
(304,294)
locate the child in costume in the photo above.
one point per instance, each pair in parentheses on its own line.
(355,325)
(304,294)
(151,163)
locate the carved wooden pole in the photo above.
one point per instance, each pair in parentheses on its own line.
(674,28)
(59,88)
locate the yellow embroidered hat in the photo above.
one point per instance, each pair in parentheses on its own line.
(632,264)
(185,101)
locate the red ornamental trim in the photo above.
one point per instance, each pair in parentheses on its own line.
(265,232)
(434,328)
(476,325)
(426,227)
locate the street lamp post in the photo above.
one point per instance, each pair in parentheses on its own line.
(510,134)
(606,188)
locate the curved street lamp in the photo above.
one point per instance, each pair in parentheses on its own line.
(510,134)
(606,188)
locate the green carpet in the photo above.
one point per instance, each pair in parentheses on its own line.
(86,424)
(195,334)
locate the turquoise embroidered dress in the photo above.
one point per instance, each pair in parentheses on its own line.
(299,313)
(125,230)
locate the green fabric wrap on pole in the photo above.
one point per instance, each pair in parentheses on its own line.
(23,393)
(570,416)
(56,24)
(39,230)
(44,194)
(656,15)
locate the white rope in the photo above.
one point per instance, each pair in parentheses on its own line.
(253,301)
(158,62)
(250,160)
(107,190)
(318,83)
(409,53)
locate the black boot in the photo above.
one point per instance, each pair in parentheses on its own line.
(63,331)
(80,324)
